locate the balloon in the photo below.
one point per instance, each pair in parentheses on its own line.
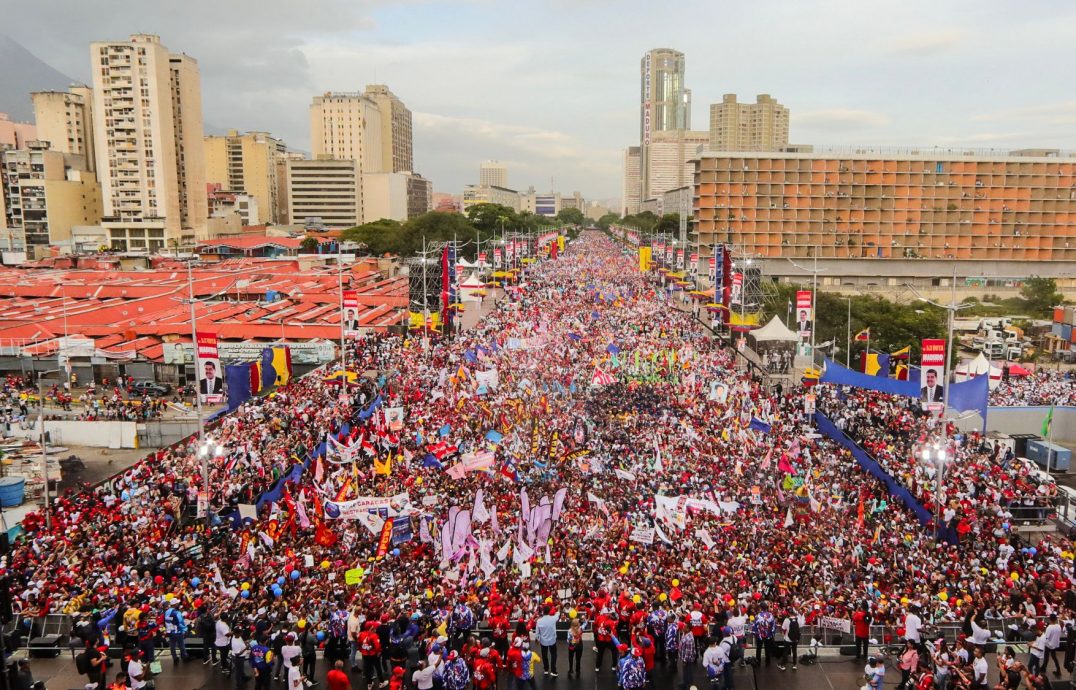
(245,594)
(280,580)
(637,599)
(663,596)
(196,581)
(245,586)
(1033,551)
(757,595)
(675,582)
(944,596)
(169,596)
(1015,576)
(302,623)
(321,636)
(325,565)
(572,613)
(277,591)
(395,552)
(904,601)
(295,574)
(623,570)
(158,580)
(429,594)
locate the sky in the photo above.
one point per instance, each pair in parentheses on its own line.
(551,87)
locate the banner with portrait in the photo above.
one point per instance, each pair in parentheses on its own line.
(932,373)
(351,314)
(804,314)
(209,372)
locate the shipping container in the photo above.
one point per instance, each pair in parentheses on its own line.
(1020,442)
(1059,314)
(1049,456)
(1055,329)
(1066,332)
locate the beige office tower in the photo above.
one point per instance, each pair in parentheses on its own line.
(493,174)
(671,160)
(65,120)
(147,123)
(758,126)
(632,181)
(325,193)
(247,163)
(347,126)
(397,141)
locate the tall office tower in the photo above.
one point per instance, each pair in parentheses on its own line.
(758,126)
(665,103)
(147,123)
(672,156)
(247,163)
(493,174)
(347,126)
(65,120)
(632,181)
(397,140)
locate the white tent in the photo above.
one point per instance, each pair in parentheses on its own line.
(977,367)
(775,330)
(469,287)
(464,262)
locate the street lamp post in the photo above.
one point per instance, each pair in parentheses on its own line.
(44,451)
(209,447)
(937,454)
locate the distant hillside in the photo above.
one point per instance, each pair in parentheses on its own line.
(22,73)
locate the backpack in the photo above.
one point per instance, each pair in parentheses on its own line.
(82,664)
(735,648)
(793,629)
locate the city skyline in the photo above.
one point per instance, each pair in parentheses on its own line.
(564,106)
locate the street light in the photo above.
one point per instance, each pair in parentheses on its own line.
(937,455)
(44,452)
(209,447)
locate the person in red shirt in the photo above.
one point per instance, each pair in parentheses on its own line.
(337,679)
(861,620)
(499,627)
(515,658)
(397,680)
(490,654)
(642,640)
(485,673)
(604,627)
(370,647)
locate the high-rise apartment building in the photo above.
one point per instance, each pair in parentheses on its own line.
(347,126)
(672,156)
(147,123)
(665,103)
(15,135)
(493,174)
(65,120)
(325,192)
(247,164)
(632,180)
(758,126)
(43,195)
(397,140)
(900,205)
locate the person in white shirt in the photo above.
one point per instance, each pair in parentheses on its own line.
(423,677)
(354,627)
(874,673)
(240,654)
(222,644)
(980,668)
(790,627)
(715,658)
(136,672)
(295,678)
(912,624)
(1053,643)
(291,653)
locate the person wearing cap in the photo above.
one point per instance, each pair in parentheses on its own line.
(485,673)
(396,680)
(456,675)
(370,648)
(527,667)
(604,627)
(136,670)
(874,672)
(765,629)
(261,660)
(861,622)
(423,677)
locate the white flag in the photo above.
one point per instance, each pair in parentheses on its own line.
(788,518)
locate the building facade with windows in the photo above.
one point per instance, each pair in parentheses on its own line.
(758,126)
(325,192)
(247,164)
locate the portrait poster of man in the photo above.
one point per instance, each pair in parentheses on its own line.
(209,371)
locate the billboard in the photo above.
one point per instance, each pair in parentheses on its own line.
(932,373)
(209,372)
(350,316)
(736,295)
(804,313)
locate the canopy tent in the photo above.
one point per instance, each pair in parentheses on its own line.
(472,289)
(774,331)
(1018,370)
(977,367)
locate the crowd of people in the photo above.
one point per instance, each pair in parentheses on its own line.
(1042,387)
(587,456)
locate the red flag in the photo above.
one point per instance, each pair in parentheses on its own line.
(385,540)
(859,513)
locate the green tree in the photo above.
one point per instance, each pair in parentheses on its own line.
(645,221)
(670,223)
(608,219)
(309,245)
(572,216)
(486,218)
(380,237)
(1040,296)
(437,226)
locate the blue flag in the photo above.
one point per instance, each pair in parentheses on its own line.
(759,425)
(431,461)
(494,436)
(445,430)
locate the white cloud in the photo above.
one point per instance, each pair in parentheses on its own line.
(839,119)
(1048,113)
(927,43)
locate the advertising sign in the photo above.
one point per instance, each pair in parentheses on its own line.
(804,313)
(737,288)
(351,313)
(932,373)
(209,372)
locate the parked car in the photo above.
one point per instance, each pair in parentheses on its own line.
(151,388)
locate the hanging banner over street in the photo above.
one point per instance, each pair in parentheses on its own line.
(804,313)
(209,372)
(932,373)
(351,314)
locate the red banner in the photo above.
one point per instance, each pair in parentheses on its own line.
(385,540)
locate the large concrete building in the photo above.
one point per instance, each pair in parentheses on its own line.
(547,204)
(493,174)
(43,195)
(664,102)
(490,194)
(247,164)
(396,196)
(758,126)
(397,139)
(325,192)
(1014,213)
(65,120)
(15,135)
(147,122)
(347,126)
(632,180)
(672,156)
